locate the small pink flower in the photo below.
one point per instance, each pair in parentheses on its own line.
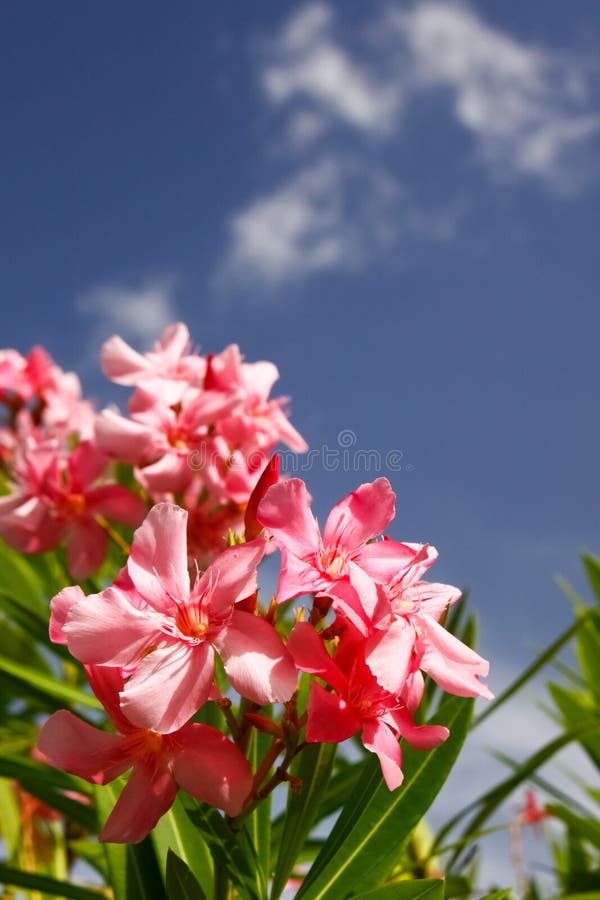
(357,703)
(409,636)
(56,497)
(197,758)
(169,368)
(167,630)
(344,563)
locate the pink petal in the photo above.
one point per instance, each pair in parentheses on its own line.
(347,602)
(285,513)
(259,378)
(330,719)
(86,547)
(297,577)
(423,737)
(106,630)
(389,655)
(116,502)
(269,476)
(451,664)
(107,683)
(121,363)
(85,463)
(383,560)
(360,516)
(60,606)
(310,655)
(168,686)
(169,474)
(255,659)
(211,768)
(128,441)
(231,577)
(433,598)
(69,743)
(378,738)
(158,560)
(148,794)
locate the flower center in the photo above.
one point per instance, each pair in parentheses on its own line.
(334,563)
(75,504)
(192,622)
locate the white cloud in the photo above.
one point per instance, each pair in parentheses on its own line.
(138,314)
(529,112)
(307,62)
(307,225)
(527,106)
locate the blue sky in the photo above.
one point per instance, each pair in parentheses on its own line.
(396,202)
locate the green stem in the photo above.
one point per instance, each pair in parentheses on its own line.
(222,883)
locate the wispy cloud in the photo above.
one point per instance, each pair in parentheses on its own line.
(308,62)
(306,224)
(342,96)
(528,107)
(137,313)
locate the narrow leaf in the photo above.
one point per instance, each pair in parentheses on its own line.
(47,885)
(313,768)
(542,660)
(175,832)
(46,685)
(420,889)
(234,852)
(367,839)
(133,868)
(181,883)
(592,568)
(491,800)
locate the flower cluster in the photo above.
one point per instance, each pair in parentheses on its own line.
(199,429)
(180,625)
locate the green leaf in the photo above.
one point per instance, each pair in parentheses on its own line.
(420,889)
(48,784)
(542,660)
(19,578)
(10,817)
(589,829)
(232,851)
(576,707)
(258,824)
(586,895)
(498,895)
(42,883)
(92,852)
(133,868)
(367,839)
(491,800)
(313,768)
(175,832)
(592,568)
(47,685)
(181,883)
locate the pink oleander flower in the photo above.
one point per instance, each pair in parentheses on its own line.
(197,758)
(532,812)
(57,497)
(344,563)
(35,387)
(357,703)
(257,423)
(168,369)
(408,635)
(163,441)
(167,630)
